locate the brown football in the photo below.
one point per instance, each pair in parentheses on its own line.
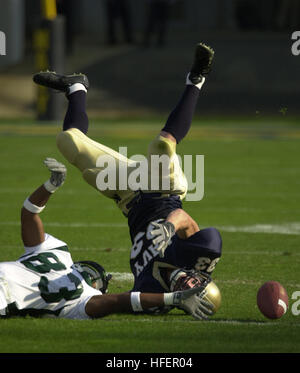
(272,300)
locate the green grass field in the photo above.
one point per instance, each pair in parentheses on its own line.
(251,195)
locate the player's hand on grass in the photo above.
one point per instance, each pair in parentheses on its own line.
(58,174)
(192,302)
(160,234)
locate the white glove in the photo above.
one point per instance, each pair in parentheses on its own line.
(195,305)
(58,174)
(192,302)
(160,234)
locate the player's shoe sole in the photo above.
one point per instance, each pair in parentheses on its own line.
(59,82)
(203,59)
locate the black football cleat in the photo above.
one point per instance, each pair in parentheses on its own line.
(59,82)
(202,63)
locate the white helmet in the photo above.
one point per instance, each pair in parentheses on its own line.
(94,274)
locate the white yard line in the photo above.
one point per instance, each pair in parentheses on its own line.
(127,249)
(72,225)
(285,228)
(259,252)
(211,321)
(121,276)
(29,190)
(106,249)
(250,282)
(126,276)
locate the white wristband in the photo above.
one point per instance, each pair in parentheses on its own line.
(169,299)
(50,187)
(32,208)
(136,302)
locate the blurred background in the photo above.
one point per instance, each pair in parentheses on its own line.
(137,53)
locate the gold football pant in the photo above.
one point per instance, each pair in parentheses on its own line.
(91,158)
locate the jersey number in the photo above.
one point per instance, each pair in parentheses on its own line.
(43,263)
(206,264)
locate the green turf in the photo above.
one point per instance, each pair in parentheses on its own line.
(251,177)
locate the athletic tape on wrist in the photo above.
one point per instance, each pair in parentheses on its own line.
(169,299)
(50,187)
(32,208)
(136,302)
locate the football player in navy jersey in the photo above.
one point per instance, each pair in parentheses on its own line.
(168,245)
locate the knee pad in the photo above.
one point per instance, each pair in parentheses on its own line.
(77,148)
(67,146)
(174,176)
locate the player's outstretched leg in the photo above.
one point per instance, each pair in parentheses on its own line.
(76,147)
(75,87)
(73,143)
(180,119)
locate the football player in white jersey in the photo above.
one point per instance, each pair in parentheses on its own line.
(45,281)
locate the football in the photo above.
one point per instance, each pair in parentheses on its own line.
(272,300)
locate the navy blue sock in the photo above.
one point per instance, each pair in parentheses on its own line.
(180,119)
(76,116)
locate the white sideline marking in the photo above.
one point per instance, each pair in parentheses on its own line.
(258,252)
(287,228)
(107,249)
(29,190)
(228,322)
(121,276)
(238,281)
(72,225)
(127,249)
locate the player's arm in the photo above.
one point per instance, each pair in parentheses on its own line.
(184,225)
(190,300)
(161,233)
(32,229)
